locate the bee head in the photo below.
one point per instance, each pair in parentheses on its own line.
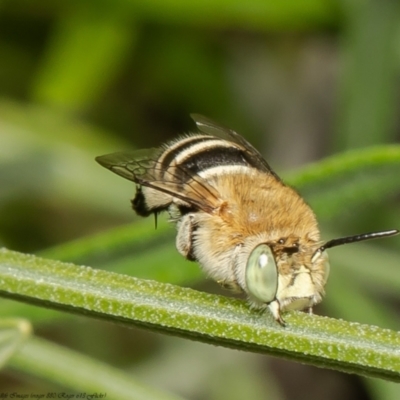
(299,288)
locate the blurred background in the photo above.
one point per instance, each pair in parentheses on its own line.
(300,80)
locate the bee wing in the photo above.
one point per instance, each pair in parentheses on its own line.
(142,167)
(212,128)
(132,165)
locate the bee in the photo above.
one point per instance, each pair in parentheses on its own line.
(249,231)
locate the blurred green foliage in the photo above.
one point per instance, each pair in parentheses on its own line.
(307,79)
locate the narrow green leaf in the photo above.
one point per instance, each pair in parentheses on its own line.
(84,55)
(367,103)
(320,341)
(103,247)
(361,263)
(382,390)
(353,178)
(49,361)
(350,301)
(255,14)
(35,160)
(125,249)
(13,333)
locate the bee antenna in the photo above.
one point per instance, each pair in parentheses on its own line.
(352,239)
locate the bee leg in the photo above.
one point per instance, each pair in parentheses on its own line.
(184,237)
(275,309)
(231,286)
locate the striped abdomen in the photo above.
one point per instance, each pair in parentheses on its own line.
(184,166)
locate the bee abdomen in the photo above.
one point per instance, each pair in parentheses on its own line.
(182,171)
(196,154)
(141,206)
(139,203)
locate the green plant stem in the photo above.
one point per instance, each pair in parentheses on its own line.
(49,361)
(320,341)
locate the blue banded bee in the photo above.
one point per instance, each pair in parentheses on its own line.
(249,231)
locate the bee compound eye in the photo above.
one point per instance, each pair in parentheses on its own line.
(262,274)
